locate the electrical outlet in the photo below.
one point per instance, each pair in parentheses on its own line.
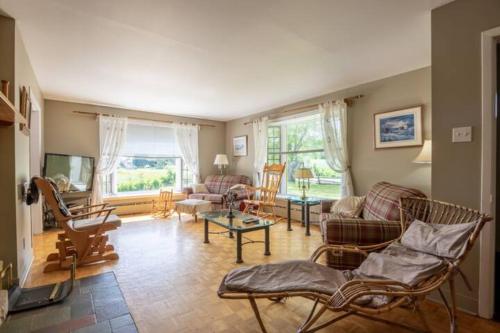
(461,134)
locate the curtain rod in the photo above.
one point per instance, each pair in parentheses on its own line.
(348,100)
(139,118)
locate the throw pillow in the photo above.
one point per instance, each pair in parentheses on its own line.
(442,240)
(348,206)
(200,188)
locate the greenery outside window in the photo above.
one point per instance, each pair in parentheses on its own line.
(299,143)
(149,161)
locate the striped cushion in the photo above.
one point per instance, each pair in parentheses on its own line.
(359,232)
(219,184)
(382,202)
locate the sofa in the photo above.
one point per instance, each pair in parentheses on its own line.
(217,186)
(379,222)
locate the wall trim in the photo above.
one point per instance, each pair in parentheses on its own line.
(488,171)
(22,279)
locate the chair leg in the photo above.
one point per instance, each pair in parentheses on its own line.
(257,314)
(312,319)
(450,309)
(453,316)
(421,314)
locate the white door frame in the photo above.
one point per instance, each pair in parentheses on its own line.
(35,164)
(488,171)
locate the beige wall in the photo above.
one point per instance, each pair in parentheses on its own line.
(8,245)
(456,101)
(25,76)
(368,165)
(70,133)
(15,227)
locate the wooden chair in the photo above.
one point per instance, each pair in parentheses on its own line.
(347,299)
(84,234)
(265,202)
(164,205)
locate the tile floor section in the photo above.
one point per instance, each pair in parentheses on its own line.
(96,304)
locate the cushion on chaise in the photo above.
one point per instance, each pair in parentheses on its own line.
(293,275)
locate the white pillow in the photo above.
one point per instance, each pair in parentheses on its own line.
(442,240)
(200,188)
(348,206)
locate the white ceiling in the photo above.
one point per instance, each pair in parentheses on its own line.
(217,59)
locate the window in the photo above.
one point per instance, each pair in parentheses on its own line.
(274,144)
(150,160)
(299,143)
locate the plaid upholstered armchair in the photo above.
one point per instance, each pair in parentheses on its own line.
(379,222)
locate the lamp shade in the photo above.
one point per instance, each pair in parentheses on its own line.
(303,173)
(425,155)
(221,159)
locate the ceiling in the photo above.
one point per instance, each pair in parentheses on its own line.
(217,59)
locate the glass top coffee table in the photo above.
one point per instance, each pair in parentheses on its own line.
(239,224)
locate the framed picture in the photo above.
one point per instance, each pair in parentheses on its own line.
(401,128)
(240,145)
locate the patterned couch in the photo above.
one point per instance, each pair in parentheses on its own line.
(217,186)
(379,222)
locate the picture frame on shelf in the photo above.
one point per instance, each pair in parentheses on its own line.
(240,146)
(399,128)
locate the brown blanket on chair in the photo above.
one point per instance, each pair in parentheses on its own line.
(294,275)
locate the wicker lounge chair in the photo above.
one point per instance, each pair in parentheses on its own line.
(349,296)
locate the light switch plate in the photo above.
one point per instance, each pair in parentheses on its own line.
(461,134)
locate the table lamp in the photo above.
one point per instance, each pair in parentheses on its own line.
(221,161)
(303,174)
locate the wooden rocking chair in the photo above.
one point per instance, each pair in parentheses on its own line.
(164,205)
(348,297)
(84,234)
(265,202)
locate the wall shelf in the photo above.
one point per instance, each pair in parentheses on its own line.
(8,114)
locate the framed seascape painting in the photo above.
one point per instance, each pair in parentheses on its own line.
(401,128)
(240,145)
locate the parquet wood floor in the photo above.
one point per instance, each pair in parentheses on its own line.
(169,279)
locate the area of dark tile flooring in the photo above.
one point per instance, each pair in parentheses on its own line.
(95,305)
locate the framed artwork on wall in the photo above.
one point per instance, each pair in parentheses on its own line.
(400,128)
(240,145)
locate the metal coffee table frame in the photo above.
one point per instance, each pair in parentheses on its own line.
(235,226)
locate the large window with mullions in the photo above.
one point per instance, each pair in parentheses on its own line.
(299,143)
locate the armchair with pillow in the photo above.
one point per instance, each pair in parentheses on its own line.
(368,220)
(215,187)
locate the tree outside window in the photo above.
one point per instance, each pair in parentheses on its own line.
(299,143)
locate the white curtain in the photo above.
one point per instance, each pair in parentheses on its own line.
(334,129)
(112,135)
(187,141)
(260,147)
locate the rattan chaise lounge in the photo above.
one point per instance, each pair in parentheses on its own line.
(366,296)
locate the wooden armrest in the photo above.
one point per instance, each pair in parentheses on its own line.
(98,212)
(336,250)
(88,207)
(350,291)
